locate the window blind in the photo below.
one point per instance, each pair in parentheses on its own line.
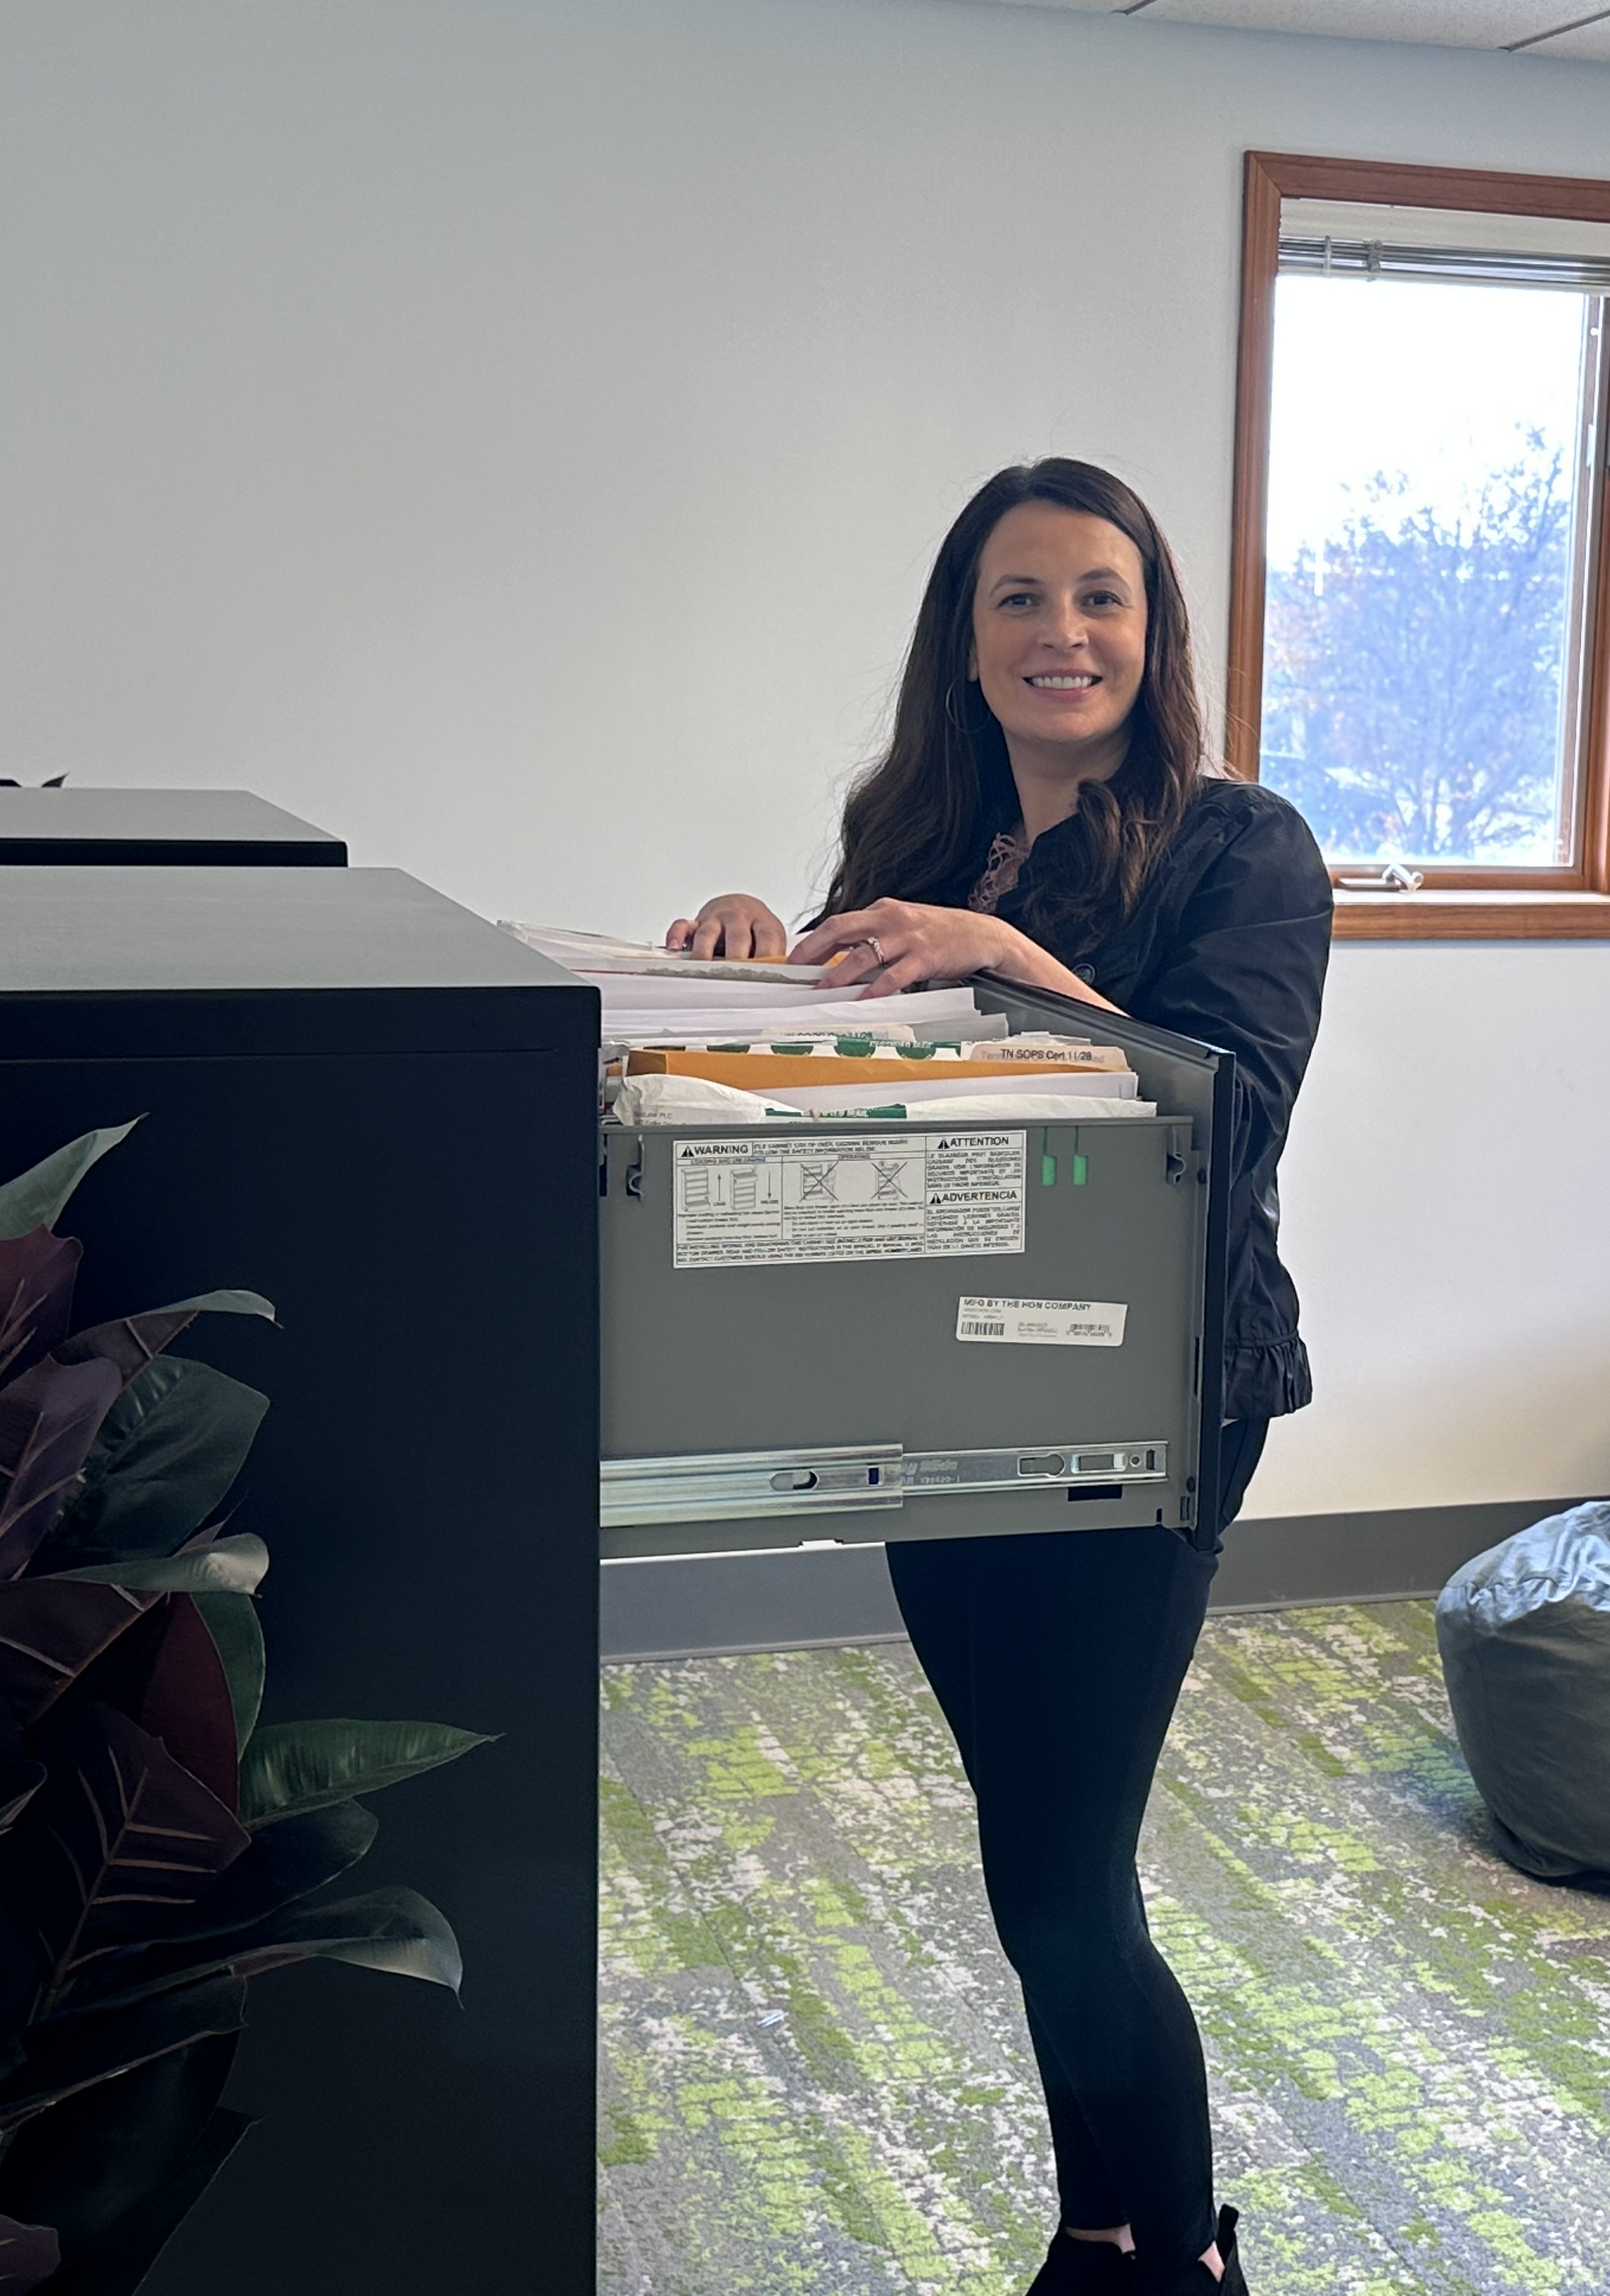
(1374,259)
(1332,239)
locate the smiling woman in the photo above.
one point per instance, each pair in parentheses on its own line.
(1046,811)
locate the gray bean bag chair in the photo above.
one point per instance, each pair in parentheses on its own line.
(1524,1634)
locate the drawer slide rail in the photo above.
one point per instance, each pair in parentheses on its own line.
(731,1486)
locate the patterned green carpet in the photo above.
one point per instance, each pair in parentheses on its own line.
(815,2074)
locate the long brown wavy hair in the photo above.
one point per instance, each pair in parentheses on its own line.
(918,825)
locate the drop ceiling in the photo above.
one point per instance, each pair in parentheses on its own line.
(1542,27)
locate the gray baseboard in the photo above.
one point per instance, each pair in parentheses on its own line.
(694,1606)
(790,1600)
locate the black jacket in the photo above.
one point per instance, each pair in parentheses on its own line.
(1229,943)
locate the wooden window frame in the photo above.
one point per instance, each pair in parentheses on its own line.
(1533,905)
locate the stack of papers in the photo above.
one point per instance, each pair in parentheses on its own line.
(738,1043)
(600,952)
(650,992)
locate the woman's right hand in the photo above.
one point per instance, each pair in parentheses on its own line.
(734,924)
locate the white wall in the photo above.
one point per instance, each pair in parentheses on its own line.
(1448,1218)
(512,432)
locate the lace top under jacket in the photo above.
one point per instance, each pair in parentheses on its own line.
(1008,855)
(1229,943)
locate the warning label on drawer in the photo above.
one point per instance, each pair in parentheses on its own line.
(766,1202)
(1042,1323)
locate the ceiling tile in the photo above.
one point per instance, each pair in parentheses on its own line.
(1443,23)
(1437,23)
(1591,44)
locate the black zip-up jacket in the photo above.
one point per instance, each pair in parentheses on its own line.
(1229,943)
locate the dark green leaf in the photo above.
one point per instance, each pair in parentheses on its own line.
(233,1622)
(391,1929)
(29,2254)
(225,1566)
(92,2161)
(122,2263)
(296,1766)
(284,1862)
(36,1199)
(65,2054)
(169,1449)
(49,1420)
(36,1275)
(132,1341)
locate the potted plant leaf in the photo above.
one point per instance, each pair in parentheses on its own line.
(159,1845)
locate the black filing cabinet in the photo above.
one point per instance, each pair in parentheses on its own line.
(375,1108)
(158,827)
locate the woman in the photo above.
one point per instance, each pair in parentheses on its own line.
(1045,813)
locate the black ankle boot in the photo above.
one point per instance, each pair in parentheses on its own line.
(1084,2268)
(1195,2279)
(1234,2282)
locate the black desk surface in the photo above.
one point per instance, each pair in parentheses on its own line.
(207,826)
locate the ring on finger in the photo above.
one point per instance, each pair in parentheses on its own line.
(876,947)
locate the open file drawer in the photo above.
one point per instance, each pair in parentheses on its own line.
(757,1395)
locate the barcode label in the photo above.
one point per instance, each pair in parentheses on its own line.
(1042,1323)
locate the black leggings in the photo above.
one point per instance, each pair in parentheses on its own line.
(1057,1660)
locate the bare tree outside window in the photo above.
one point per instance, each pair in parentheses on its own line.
(1424,605)
(1414,675)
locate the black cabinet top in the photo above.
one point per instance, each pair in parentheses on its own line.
(200,827)
(200,962)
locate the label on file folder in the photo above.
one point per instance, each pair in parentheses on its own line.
(761,1202)
(1041,1323)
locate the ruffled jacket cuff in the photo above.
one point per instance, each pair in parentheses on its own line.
(1267,1378)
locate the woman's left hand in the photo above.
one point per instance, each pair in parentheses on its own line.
(905,942)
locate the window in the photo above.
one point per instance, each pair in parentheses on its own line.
(1420,653)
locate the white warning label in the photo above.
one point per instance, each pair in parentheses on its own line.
(760,1202)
